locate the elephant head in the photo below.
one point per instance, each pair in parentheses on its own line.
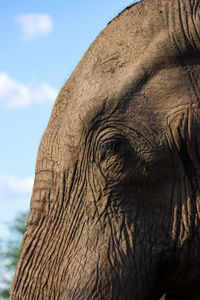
(115,206)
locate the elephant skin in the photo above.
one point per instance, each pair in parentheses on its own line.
(176,297)
(115,209)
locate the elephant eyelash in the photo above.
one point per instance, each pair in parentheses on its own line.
(119,147)
(109,148)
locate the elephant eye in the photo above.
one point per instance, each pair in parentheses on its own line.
(115,156)
(109,148)
(118,147)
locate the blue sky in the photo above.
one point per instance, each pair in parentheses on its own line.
(41,43)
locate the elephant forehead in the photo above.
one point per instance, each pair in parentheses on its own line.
(134,48)
(125,51)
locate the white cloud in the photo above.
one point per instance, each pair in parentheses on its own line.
(16,94)
(34,24)
(10,185)
(15,195)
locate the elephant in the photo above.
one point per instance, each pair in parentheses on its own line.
(115,208)
(175,297)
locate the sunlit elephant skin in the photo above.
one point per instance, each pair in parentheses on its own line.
(115,206)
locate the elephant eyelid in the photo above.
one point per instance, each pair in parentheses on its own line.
(118,146)
(109,148)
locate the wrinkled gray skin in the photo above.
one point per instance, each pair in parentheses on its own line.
(115,206)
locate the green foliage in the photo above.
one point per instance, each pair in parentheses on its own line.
(9,252)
